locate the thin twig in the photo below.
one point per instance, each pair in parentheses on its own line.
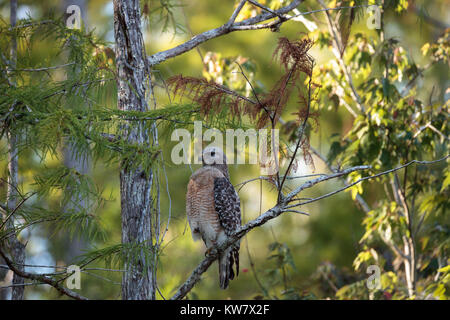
(253,90)
(300,138)
(236,12)
(364,179)
(33,24)
(257,4)
(15,209)
(22,285)
(45,68)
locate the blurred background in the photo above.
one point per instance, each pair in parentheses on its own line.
(310,254)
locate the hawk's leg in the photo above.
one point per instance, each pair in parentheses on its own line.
(211,250)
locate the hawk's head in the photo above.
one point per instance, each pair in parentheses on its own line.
(214,156)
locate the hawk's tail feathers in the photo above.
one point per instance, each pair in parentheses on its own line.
(226,261)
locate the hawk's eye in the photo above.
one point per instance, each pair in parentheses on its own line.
(213,153)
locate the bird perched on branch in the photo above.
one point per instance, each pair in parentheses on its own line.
(213,210)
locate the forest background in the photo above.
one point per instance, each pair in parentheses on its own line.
(323,255)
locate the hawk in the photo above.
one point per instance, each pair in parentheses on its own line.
(213,210)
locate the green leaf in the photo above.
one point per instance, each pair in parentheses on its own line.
(444,269)
(446,182)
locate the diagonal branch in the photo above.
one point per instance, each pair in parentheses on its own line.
(257,4)
(46,68)
(236,12)
(306,185)
(33,276)
(360,201)
(338,52)
(226,28)
(311,183)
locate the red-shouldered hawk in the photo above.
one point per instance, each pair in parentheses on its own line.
(213,209)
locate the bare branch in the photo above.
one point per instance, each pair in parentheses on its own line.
(361,202)
(236,12)
(296,17)
(222,30)
(33,24)
(62,267)
(243,183)
(44,279)
(394,248)
(367,178)
(300,138)
(296,211)
(311,183)
(433,128)
(329,9)
(22,285)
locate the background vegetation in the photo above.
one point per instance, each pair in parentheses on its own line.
(395,111)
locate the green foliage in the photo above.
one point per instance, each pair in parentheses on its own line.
(122,256)
(441,288)
(163,13)
(279,274)
(282,257)
(401,114)
(393,126)
(75,222)
(50,107)
(63,178)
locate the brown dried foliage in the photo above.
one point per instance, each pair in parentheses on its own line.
(294,55)
(209,95)
(294,58)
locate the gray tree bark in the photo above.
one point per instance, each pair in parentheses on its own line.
(138,282)
(16,248)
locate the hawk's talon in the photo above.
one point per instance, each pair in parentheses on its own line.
(210,252)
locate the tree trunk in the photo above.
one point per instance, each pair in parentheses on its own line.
(16,248)
(135,185)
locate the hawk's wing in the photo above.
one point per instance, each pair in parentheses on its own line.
(228,207)
(227,204)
